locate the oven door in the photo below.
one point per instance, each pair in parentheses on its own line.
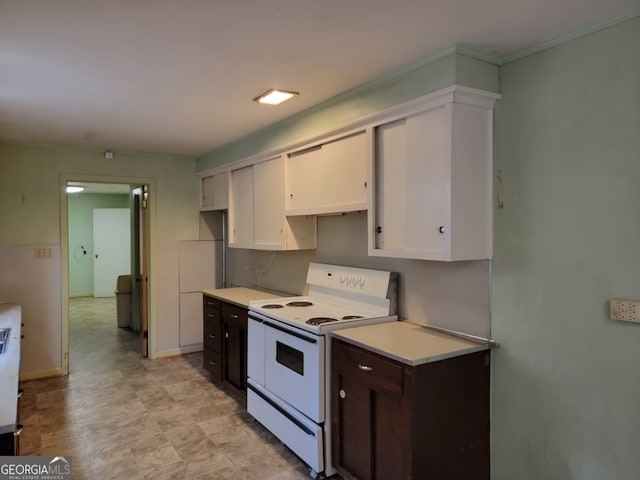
(294,368)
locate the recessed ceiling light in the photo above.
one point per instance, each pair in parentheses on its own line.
(74,189)
(275,97)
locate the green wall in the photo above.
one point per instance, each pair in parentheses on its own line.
(566,392)
(80,207)
(432,74)
(30,215)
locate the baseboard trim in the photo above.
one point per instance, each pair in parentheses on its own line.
(176,352)
(41,374)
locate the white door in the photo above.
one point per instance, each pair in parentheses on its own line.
(111,248)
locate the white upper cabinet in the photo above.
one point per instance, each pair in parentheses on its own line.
(241,208)
(214,192)
(330,177)
(256,211)
(432,189)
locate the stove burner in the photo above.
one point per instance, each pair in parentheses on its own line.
(321,320)
(273,305)
(351,317)
(299,304)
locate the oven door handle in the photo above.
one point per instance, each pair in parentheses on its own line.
(297,422)
(291,332)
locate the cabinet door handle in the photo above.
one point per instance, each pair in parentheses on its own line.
(211,362)
(365,368)
(212,336)
(226,335)
(441,229)
(234,316)
(211,315)
(211,304)
(343,394)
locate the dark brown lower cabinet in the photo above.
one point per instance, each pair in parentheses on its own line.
(234,326)
(392,421)
(225,343)
(212,354)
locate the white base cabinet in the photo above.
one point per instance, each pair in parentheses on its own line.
(432,179)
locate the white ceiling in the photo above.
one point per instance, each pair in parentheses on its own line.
(173,76)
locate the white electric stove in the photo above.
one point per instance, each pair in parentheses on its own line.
(288,354)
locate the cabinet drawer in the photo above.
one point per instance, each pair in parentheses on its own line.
(233,314)
(213,335)
(211,303)
(378,372)
(213,363)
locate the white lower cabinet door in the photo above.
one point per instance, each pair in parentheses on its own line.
(191,328)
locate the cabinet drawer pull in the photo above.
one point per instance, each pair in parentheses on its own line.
(211,315)
(212,304)
(211,362)
(212,337)
(233,315)
(365,368)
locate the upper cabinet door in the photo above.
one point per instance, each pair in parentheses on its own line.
(268,212)
(330,177)
(256,211)
(214,192)
(432,196)
(241,208)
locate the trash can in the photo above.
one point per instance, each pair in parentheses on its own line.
(123,300)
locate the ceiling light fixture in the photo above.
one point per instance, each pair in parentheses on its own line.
(275,97)
(74,189)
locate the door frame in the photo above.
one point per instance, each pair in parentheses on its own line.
(64,255)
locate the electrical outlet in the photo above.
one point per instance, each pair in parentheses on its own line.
(625,310)
(40,253)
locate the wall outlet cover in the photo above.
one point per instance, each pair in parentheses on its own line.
(625,310)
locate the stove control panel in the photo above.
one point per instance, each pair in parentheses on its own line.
(350,279)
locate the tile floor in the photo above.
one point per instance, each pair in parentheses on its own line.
(121,416)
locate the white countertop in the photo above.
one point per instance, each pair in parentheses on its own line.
(11,317)
(241,296)
(407,342)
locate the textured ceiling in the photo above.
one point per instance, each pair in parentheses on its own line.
(179,76)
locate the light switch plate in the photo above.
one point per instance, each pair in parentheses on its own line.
(625,310)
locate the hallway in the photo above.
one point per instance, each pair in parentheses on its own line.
(120,416)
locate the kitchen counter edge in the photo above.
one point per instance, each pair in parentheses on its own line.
(408,343)
(241,296)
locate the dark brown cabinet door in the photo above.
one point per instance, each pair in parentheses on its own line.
(395,421)
(353,435)
(367,415)
(234,362)
(235,324)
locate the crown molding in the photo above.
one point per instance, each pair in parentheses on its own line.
(581,32)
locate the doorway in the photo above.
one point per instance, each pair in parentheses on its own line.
(84,253)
